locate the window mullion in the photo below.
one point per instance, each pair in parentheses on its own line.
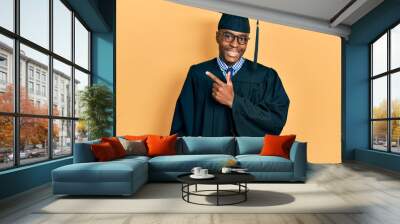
(16,84)
(50,79)
(370,98)
(73,82)
(389,77)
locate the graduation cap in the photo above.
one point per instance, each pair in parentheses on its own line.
(239,24)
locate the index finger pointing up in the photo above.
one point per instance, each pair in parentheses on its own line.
(214,78)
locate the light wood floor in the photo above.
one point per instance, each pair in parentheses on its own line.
(377,188)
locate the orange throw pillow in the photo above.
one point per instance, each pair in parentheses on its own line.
(116,145)
(161,145)
(135,138)
(103,152)
(275,145)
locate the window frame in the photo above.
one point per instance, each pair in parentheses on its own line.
(388,74)
(16,114)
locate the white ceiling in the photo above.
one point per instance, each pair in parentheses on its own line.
(326,16)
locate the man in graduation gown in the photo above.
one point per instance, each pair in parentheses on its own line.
(230,95)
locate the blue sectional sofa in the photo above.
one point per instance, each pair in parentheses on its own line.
(125,176)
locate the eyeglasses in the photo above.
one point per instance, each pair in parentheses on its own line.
(229,37)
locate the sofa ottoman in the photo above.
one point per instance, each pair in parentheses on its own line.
(119,177)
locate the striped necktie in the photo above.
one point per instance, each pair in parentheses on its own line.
(230,70)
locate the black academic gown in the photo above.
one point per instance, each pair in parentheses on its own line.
(260,103)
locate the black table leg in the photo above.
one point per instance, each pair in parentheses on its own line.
(245,193)
(188,190)
(196,188)
(217,194)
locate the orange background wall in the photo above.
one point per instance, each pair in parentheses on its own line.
(157,41)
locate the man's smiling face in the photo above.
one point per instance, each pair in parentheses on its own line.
(232,45)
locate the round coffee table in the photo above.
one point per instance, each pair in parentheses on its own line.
(238,179)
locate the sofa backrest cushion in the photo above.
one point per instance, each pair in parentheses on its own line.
(249,145)
(83,152)
(206,145)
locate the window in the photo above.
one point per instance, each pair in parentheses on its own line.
(34,21)
(385,91)
(7,14)
(81,45)
(37,89)
(30,72)
(3,78)
(3,61)
(45,131)
(62,74)
(62,29)
(44,91)
(6,142)
(30,87)
(38,74)
(6,73)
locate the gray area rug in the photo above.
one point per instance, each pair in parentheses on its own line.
(166,198)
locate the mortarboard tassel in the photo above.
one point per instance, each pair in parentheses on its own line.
(256,47)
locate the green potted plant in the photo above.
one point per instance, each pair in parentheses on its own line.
(96,102)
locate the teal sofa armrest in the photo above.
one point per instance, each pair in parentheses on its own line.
(83,152)
(298,155)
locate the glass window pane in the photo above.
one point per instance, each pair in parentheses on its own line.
(379,55)
(395,47)
(7,14)
(379,135)
(81,131)
(395,94)
(81,45)
(62,29)
(62,138)
(62,89)
(395,136)
(35,21)
(33,140)
(6,142)
(34,78)
(6,74)
(379,97)
(81,81)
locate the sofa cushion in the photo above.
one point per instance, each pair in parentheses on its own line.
(277,145)
(111,171)
(207,145)
(185,163)
(134,147)
(83,152)
(257,163)
(133,158)
(249,145)
(161,145)
(135,138)
(116,145)
(103,152)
